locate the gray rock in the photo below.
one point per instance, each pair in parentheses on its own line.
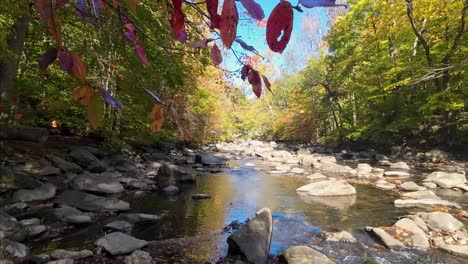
(420,195)
(13,181)
(304,255)
(308,160)
(384,185)
(419,222)
(253,239)
(36,230)
(297,171)
(97,166)
(14,249)
(96,183)
(335,168)
(49,171)
(68,254)
(342,236)
(316,177)
(136,218)
(82,157)
(31,221)
(118,243)
(65,166)
(201,196)
(171,189)
(445,179)
(442,221)
(430,185)
(456,250)
(400,166)
(89,202)
(338,202)
(409,186)
(386,239)
(11,229)
(328,188)
(418,239)
(43,192)
(71,215)
(210,159)
(424,203)
(119,225)
(364,170)
(39,259)
(62,261)
(378,172)
(139,257)
(169,174)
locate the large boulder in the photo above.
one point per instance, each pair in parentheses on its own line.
(64,165)
(13,181)
(118,243)
(442,221)
(43,192)
(87,160)
(210,159)
(89,202)
(304,255)
(71,215)
(446,179)
(169,174)
(308,160)
(252,240)
(419,239)
(97,183)
(328,188)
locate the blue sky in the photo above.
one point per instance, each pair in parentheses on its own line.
(298,51)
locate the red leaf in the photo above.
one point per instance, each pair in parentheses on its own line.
(79,68)
(20,114)
(133,3)
(256,82)
(45,8)
(65,60)
(47,58)
(15,97)
(54,28)
(177,22)
(228,24)
(254,9)
(280,23)
(212,7)
(215,55)
(267,83)
(141,54)
(245,71)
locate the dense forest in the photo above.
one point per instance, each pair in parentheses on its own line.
(385,72)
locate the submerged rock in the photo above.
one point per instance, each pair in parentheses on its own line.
(304,255)
(169,174)
(328,188)
(118,243)
(253,239)
(89,202)
(201,196)
(96,183)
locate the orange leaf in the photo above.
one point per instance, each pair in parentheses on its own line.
(79,68)
(228,23)
(267,83)
(83,94)
(157,117)
(54,28)
(133,3)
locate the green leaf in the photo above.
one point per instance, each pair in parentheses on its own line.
(95,111)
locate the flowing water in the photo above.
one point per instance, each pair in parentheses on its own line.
(241,190)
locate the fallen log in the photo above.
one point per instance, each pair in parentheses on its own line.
(35,134)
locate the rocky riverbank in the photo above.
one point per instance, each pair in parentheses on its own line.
(48,189)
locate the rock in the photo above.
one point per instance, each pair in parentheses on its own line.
(31,221)
(436,155)
(335,168)
(308,160)
(456,250)
(71,215)
(135,218)
(445,179)
(253,239)
(316,177)
(424,203)
(118,243)
(13,181)
(386,239)
(14,249)
(419,222)
(66,254)
(89,202)
(400,166)
(430,185)
(378,172)
(119,225)
(297,170)
(16,208)
(364,170)
(420,195)
(200,196)
(303,255)
(62,261)
(83,157)
(409,186)
(328,188)
(49,171)
(342,236)
(11,229)
(169,174)
(210,159)
(384,185)
(97,166)
(96,183)
(65,166)
(139,257)
(281,155)
(283,168)
(43,192)
(39,259)
(418,239)
(36,230)
(338,202)
(171,189)
(442,221)
(402,174)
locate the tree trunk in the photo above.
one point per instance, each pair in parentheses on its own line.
(10,63)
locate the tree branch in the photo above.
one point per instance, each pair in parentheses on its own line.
(409,10)
(459,36)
